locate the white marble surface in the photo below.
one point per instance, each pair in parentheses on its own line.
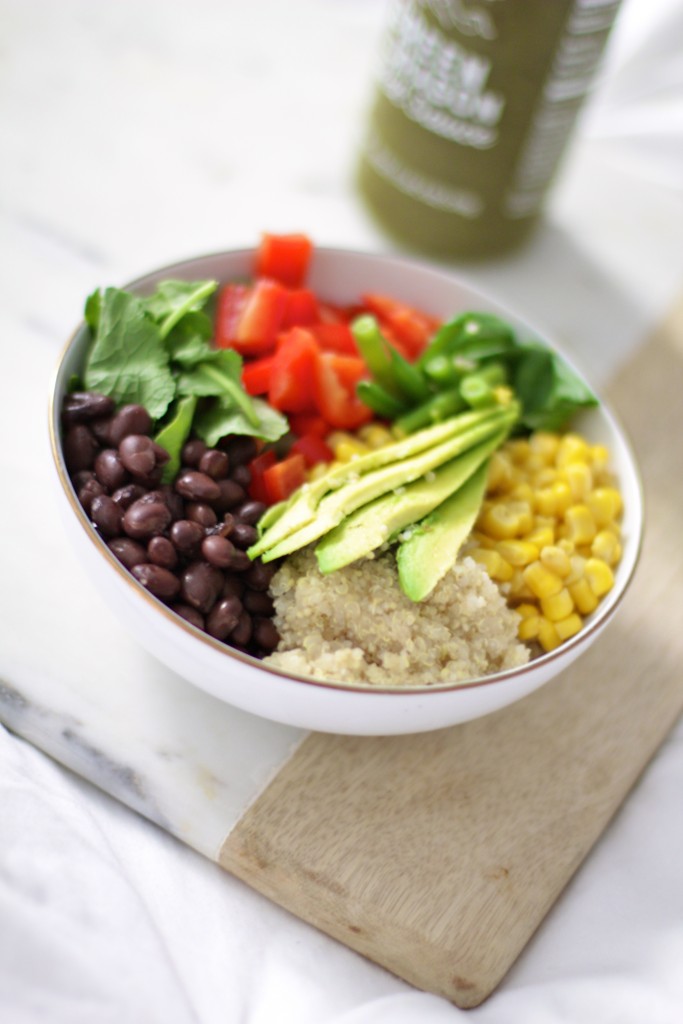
(138,133)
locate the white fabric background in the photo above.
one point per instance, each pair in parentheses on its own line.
(103,917)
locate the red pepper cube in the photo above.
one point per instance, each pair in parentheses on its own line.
(293,373)
(285,258)
(257,375)
(257,468)
(302,308)
(407,327)
(335,391)
(249,317)
(313,449)
(282,478)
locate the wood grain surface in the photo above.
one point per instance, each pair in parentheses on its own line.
(438,855)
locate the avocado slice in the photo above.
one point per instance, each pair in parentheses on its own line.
(372,525)
(301,509)
(432,549)
(357,492)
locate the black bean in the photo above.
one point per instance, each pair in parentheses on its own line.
(240,449)
(128,551)
(241,475)
(243,535)
(100,429)
(196,486)
(81,406)
(240,561)
(201,513)
(223,617)
(109,469)
(126,495)
(241,634)
(173,501)
(91,489)
(186,535)
(189,614)
(231,494)
(258,602)
(250,511)
(192,453)
(219,551)
(201,584)
(106,515)
(137,454)
(215,464)
(130,419)
(159,581)
(232,586)
(162,552)
(143,520)
(258,576)
(80,448)
(265,633)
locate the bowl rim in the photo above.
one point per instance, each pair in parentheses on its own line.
(602,614)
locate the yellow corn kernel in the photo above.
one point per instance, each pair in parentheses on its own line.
(519,450)
(541,581)
(517,552)
(519,591)
(522,492)
(528,627)
(506,519)
(599,457)
(375,435)
(526,610)
(572,448)
(579,476)
(553,500)
(569,626)
(483,540)
(545,477)
(319,470)
(545,444)
(599,575)
(578,565)
(501,472)
(347,450)
(542,532)
(566,545)
(557,606)
(495,565)
(605,505)
(547,634)
(556,559)
(580,524)
(582,596)
(607,546)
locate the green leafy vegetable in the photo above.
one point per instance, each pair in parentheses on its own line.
(128,359)
(175,433)
(221,418)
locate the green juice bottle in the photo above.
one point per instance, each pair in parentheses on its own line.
(474,106)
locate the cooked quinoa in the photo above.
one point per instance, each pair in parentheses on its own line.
(357,625)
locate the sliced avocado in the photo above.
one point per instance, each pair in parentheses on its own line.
(301,508)
(432,548)
(372,525)
(335,506)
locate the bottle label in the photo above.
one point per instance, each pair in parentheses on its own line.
(438,83)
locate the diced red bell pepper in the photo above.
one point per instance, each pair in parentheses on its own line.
(335,337)
(257,467)
(313,449)
(304,424)
(291,382)
(409,328)
(282,478)
(249,317)
(285,258)
(302,308)
(257,375)
(335,391)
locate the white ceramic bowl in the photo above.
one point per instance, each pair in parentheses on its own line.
(340,276)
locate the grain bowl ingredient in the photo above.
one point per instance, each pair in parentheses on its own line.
(357,625)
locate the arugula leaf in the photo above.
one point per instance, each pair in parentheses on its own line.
(128,359)
(550,392)
(174,299)
(175,433)
(189,341)
(221,418)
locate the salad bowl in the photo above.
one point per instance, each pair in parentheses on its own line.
(331,706)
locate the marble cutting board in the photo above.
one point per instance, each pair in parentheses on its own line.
(435,855)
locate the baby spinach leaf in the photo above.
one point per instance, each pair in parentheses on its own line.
(189,341)
(172,300)
(93,304)
(549,390)
(219,376)
(221,418)
(128,359)
(175,433)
